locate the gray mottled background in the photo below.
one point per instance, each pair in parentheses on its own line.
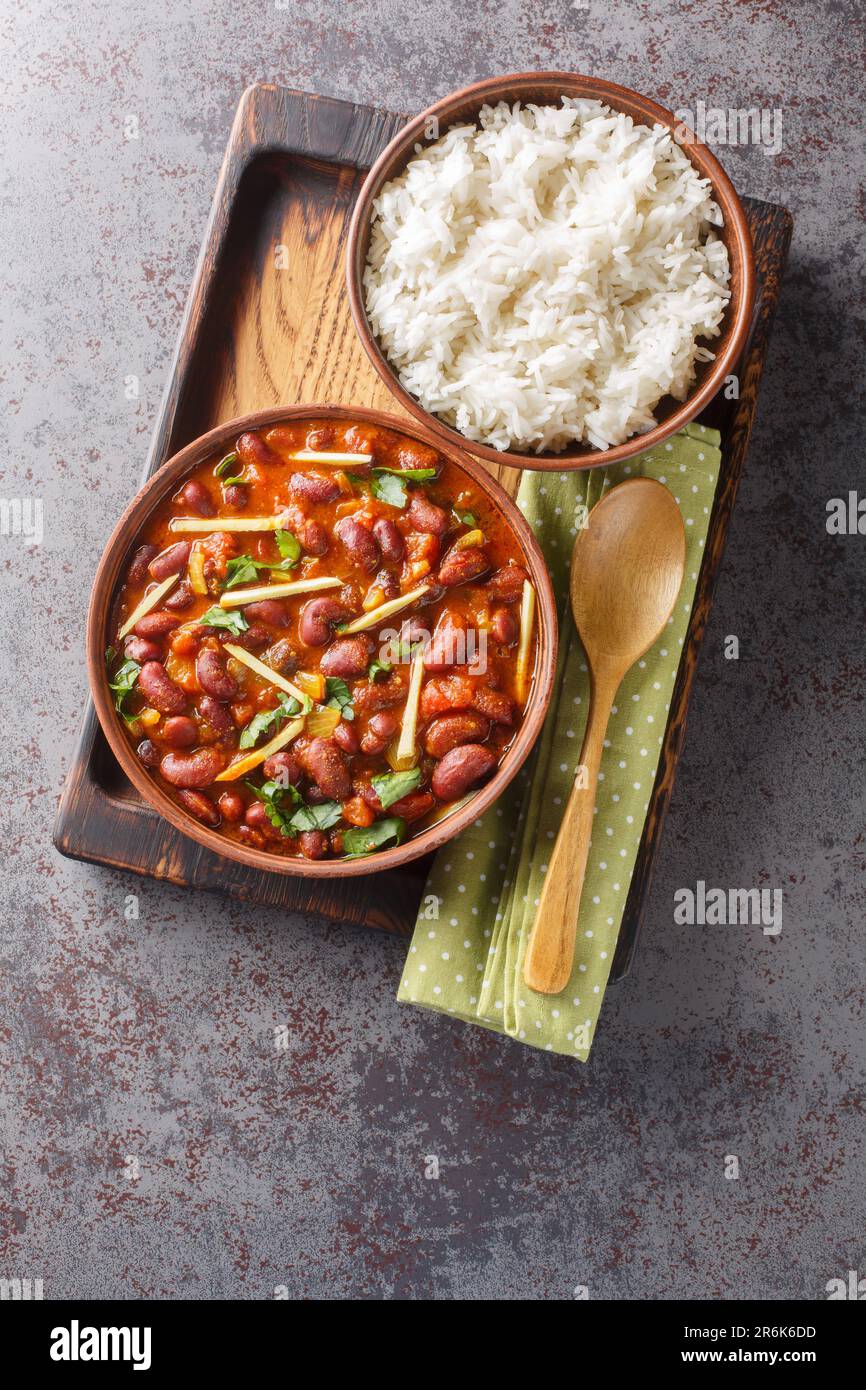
(153,1038)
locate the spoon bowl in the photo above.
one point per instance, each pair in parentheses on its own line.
(627,569)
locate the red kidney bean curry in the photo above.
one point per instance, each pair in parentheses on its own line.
(323,640)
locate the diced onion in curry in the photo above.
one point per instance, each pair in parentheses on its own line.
(195,569)
(312,683)
(322,722)
(470,540)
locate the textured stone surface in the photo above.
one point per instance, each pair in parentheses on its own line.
(154,1038)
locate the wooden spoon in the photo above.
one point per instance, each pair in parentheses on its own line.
(626,571)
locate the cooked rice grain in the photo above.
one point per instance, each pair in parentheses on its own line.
(543,278)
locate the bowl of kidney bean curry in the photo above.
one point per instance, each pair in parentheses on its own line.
(328,639)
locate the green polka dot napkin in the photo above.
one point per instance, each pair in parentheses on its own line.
(466,956)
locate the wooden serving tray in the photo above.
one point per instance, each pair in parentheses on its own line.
(267,323)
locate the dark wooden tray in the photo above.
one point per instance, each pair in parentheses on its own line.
(267,323)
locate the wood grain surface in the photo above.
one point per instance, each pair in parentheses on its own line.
(267,322)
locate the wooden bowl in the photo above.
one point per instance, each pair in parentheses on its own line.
(165,482)
(545,88)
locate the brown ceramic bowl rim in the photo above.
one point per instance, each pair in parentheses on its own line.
(513,87)
(162,484)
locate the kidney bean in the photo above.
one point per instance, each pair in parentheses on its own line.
(492,703)
(462,768)
(313,537)
(232,806)
(505,627)
(192,770)
(199,806)
(314,487)
(148,753)
(414,629)
(196,497)
(268,610)
(314,626)
(424,515)
(179,731)
(447,646)
(459,566)
(365,790)
(256,816)
(335,838)
(212,676)
(372,745)
(141,649)
(418,455)
(235,495)
(282,767)
(160,691)
(346,738)
(137,572)
(412,807)
(281,657)
(326,765)
(181,597)
(451,730)
(314,844)
(256,636)
(389,538)
(316,797)
(348,656)
(433,594)
(379,694)
(384,724)
(170,561)
(379,732)
(359,542)
(214,713)
(322,437)
(251,448)
(507,584)
(156,624)
(254,838)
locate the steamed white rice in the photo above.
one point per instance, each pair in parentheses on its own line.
(542,278)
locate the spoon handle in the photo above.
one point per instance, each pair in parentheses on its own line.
(550,953)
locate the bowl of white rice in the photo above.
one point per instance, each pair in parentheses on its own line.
(550,271)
